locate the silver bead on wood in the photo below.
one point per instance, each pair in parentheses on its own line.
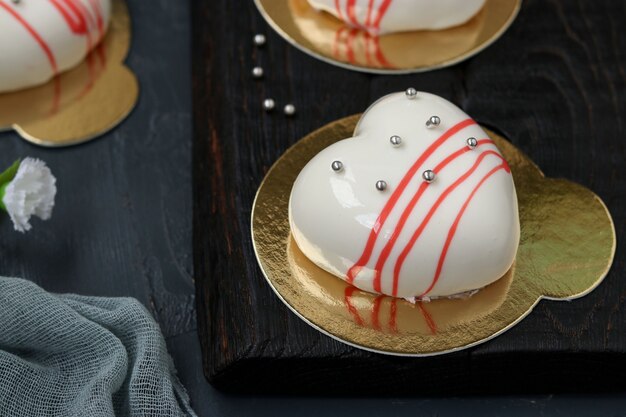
(381,185)
(428,176)
(337,166)
(472,143)
(259,39)
(395,140)
(434,121)
(257,72)
(289,110)
(268,104)
(411,93)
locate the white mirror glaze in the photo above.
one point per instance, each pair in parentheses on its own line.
(41,38)
(386,16)
(470,208)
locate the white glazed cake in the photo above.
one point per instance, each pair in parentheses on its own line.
(41,38)
(386,16)
(418,204)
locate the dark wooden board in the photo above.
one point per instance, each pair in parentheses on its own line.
(555,85)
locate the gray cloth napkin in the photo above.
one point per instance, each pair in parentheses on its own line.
(69,355)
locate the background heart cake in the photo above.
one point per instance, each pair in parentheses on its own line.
(419,203)
(334,39)
(386,16)
(43,38)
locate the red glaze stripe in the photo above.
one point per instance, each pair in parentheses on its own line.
(431,212)
(395,196)
(380,55)
(101,51)
(393,315)
(369,42)
(80,20)
(351,14)
(91,21)
(337,43)
(455,225)
(384,255)
(393,312)
(338,8)
(376,312)
(370,23)
(95,6)
(84,15)
(350,45)
(74,19)
(432,326)
(92,74)
(382,10)
(56,98)
(368,39)
(36,36)
(353,311)
(368,18)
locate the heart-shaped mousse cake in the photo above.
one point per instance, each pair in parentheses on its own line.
(386,16)
(418,204)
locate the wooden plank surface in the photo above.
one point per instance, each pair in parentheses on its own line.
(555,85)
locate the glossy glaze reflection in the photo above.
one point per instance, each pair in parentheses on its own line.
(381,226)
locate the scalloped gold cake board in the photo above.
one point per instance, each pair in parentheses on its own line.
(325,37)
(566,249)
(82,103)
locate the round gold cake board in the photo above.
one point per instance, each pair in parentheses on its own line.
(82,103)
(567,246)
(327,38)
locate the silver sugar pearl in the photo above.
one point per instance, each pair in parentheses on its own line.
(268,104)
(381,185)
(257,72)
(428,176)
(259,39)
(411,93)
(433,122)
(472,143)
(395,140)
(289,110)
(337,166)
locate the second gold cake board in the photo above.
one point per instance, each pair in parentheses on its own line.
(551,262)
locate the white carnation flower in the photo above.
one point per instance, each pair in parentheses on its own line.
(31,192)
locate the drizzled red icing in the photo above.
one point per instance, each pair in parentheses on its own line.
(376,311)
(373,17)
(80,19)
(394,198)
